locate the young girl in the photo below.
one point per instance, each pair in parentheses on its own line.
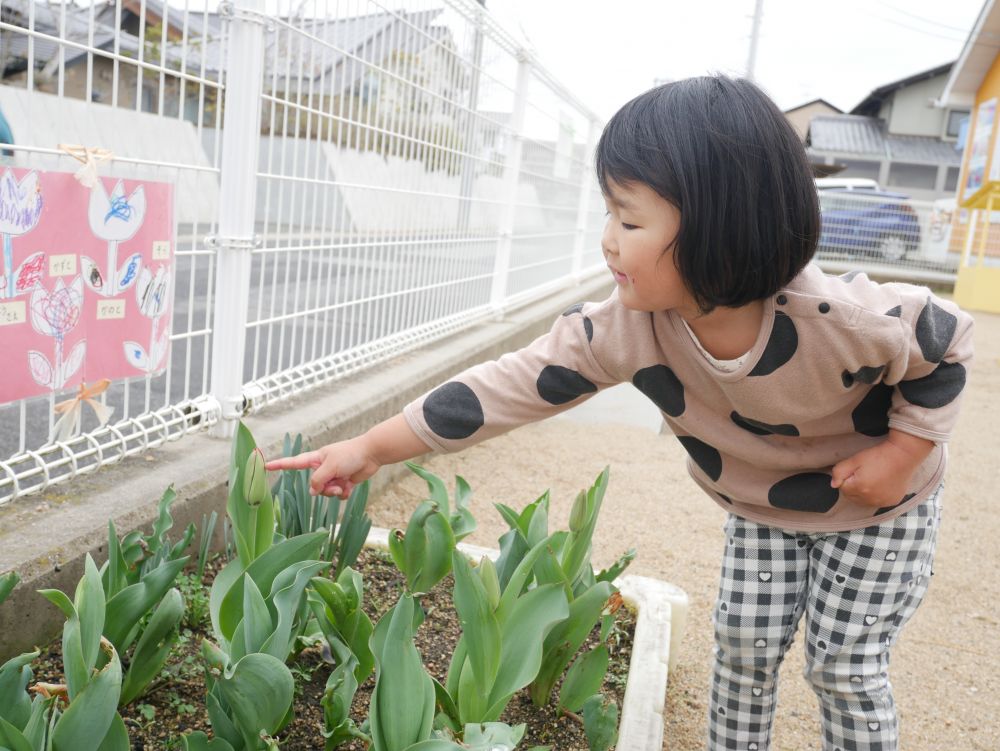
(815,409)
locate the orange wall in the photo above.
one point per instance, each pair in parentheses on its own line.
(989,88)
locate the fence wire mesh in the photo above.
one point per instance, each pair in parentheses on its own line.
(416,171)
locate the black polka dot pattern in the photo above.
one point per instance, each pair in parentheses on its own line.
(762,428)
(808,491)
(780,347)
(453,411)
(659,383)
(871,416)
(936,389)
(884,509)
(559,385)
(865,374)
(706,457)
(588,327)
(781,299)
(577,308)
(824,307)
(935,329)
(726,498)
(896,312)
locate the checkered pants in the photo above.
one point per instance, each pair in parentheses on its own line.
(856,589)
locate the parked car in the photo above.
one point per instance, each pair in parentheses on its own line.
(847,183)
(864,221)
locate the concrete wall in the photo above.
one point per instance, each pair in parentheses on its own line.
(913,112)
(46,537)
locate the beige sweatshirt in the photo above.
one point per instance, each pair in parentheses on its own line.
(837,362)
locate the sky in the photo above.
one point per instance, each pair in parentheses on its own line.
(608,51)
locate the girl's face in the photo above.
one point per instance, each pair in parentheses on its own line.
(638,244)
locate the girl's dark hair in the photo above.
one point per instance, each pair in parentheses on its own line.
(719,150)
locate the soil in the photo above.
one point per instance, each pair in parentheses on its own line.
(175,702)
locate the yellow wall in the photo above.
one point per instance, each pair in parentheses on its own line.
(978,286)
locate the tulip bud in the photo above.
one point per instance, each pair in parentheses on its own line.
(255,490)
(578,516)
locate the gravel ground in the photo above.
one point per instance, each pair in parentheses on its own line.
(945,665)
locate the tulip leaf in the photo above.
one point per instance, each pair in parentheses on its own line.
(15,674)
(127,607)
(116,738)
(7,583)
(257,625)
(87,719)
(600,722)
(90,606)
(13,739)
(153,648)
(479,625)
(259,690)
(531,618)
(287,594)
(436,487)
(584,678)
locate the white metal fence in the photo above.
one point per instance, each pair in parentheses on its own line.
(890,234)
(352,177)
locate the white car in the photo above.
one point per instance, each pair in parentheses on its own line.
(846,183)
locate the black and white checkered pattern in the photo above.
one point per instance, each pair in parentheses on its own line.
(856,589)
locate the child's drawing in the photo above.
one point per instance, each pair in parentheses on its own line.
(114,219)
(55,314)
(20,209)
(151,295)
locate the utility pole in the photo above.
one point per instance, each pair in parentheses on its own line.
(754,35)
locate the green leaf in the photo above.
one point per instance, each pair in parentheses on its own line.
(492,736)
(435,486)
(153,648)
(13,739)
(7,583)
(116,738)
(164,521)
(287,594)
(617,568)
(600,722)
(87,719)
(15,674)
(127,608)
(584,678)
(402,706)
(90,606)
(567,637)
(36,730)
(227,604)
(259,691)
(114,570)
(479,625)
(531,618)
(257,624)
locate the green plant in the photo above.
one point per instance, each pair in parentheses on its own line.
(569,566)
(424,553)
(139,554)
(196,607)
(207,530)
(258,609)
(81,715)
(7,583)
(300,512)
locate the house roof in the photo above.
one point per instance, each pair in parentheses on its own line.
(975,60)
(868,136)
(834,107)
(870,104)
(289,62)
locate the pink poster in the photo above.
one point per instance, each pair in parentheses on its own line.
(84,280)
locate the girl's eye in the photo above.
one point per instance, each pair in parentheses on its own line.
(628,226)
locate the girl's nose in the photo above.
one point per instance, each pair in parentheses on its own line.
(608,242)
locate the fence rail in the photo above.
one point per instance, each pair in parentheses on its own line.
(352,179)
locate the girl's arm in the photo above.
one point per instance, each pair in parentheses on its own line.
(338,467)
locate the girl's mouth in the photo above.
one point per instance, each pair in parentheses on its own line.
(619,276)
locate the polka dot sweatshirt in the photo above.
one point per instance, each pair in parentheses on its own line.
(837,363)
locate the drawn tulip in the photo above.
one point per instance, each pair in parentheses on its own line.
(115,219)
(55,314)
(20,209)
(151,295)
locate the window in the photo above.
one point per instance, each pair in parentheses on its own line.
(951,179)
(919,176)
(955,118)
(859,168)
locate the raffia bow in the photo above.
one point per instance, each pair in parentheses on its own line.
(68,426)
(87,174)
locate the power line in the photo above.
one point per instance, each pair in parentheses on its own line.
(922,18)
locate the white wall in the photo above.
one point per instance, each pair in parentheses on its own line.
(913,112)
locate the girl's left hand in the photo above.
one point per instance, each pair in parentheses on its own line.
(880,476)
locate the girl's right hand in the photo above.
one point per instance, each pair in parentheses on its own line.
(337,467)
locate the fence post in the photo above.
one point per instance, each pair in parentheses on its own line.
(511,174)
(586,186)
(235,239)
